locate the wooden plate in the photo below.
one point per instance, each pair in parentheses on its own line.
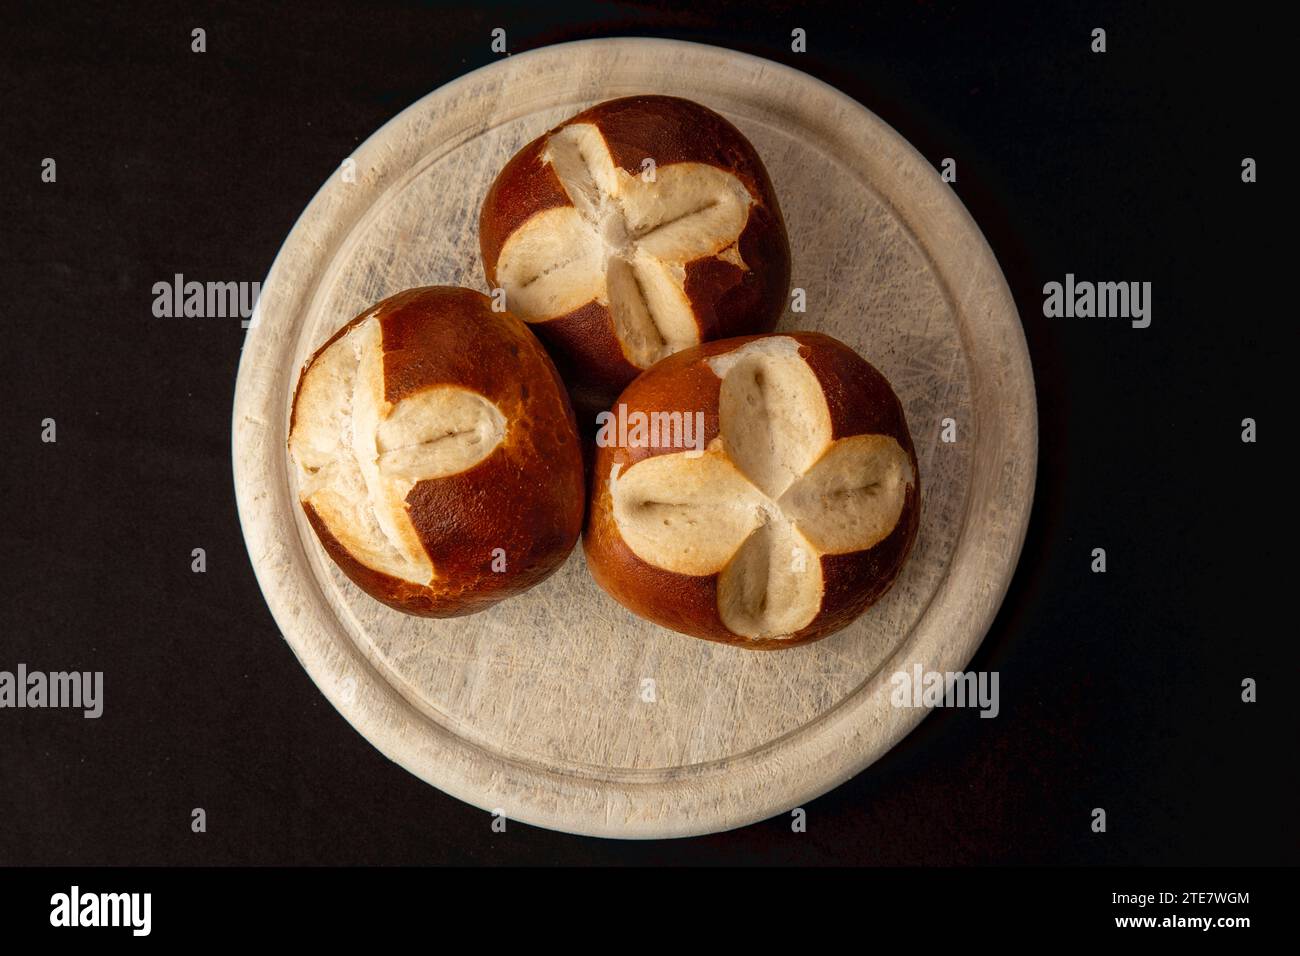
(558,707)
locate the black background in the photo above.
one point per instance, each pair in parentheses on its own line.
(1119,691)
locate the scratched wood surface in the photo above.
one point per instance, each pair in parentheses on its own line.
(538,707)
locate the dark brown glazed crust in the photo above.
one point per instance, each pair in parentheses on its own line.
(730,301)
(589,358)
(853,582)
(525,498)
(727,300)
(679,602)
(523,188)
(680,383)
(860,401)
(673,130)
(396,593)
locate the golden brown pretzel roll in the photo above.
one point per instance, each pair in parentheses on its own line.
(793,512)
(436,453)
(617,262)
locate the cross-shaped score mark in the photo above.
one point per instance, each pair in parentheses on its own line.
(359,456)
(771,495)
(624,243)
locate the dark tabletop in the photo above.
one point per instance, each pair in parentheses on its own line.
(1119,690)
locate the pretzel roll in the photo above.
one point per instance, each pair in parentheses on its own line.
(789,509)
(640,227)
(436,453)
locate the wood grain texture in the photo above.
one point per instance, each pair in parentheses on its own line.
(535,706)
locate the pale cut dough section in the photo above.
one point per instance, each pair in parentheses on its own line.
(853,496)
(585,168)
(358,456)
(551,265)
(773,586)
(624,243)
(691,210)
(652,317)
(772,494)
(773,415)
(685,513)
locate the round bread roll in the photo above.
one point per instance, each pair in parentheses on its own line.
(640,227)
(780,515)
(436,453)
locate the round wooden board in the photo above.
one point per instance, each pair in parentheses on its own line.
(539,707)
